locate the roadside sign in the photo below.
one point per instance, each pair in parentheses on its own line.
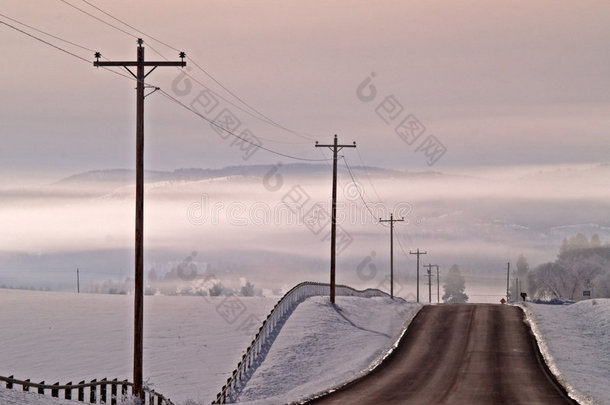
(586,293)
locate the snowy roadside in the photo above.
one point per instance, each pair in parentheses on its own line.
(17,397)
(321,347)
(575,342)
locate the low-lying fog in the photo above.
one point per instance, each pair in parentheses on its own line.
(270,225)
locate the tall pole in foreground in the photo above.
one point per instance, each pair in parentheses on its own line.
(140,75)
(391,221)
(418,253)
(335,147)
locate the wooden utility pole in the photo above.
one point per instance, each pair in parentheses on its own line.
(418,253)
(140,75)
(508,282)
(335,147)
(391,221)
(429,274)
(438,285)
(77,281)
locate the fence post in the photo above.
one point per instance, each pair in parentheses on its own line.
(68,391)
(26,387)
(81,391)
(124,388)
(9,384)
(55,391)
(113,392)
(103,390)
(40,389)
(93,392)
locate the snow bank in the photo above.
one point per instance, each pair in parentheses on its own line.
(16,397)
(575,342)
(321,346)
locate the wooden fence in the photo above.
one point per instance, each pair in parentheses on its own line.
(93,392)
(270,327)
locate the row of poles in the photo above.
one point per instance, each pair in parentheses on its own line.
(335,147)
(140,75)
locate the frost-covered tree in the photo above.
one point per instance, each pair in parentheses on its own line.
(247,290)
(581,265)
(454,286)
(216,289)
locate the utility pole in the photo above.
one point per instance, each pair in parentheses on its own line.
(391,221)
(335,147)
(77,281)
(508,282)
(438,286)
(418,253)
(429,274)
(140,75)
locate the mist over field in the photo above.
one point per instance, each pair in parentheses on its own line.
(255,223)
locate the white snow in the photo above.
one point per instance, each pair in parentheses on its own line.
(575,341)
(18,397)
(322,346)
(191,344)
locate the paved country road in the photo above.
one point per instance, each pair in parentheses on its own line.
(460,354)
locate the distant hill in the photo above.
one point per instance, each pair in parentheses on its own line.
(123,177)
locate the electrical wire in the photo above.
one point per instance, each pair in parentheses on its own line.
(183,71)
(400,243)
(368,175)
(366,204)
(98,19)
(45,42)
(130,26)
(263,117)
(215,124)
(48,34)
(253,111)
(55,46)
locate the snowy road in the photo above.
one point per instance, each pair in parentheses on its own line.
(459,354)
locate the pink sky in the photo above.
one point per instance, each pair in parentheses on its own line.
(500,82)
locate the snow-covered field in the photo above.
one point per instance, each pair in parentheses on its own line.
(575,340)
(191,344)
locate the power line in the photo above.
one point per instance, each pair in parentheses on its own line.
(224,98)
(130,26)
(400,244)
(48,34)
(55,46)
(368,175)
(366,204)
(212,122)
(98,19)
(259,115)
(45,42)
(262,116)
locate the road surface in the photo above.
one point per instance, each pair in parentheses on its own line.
(460,354)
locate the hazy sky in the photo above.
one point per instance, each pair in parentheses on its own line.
(497,83)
